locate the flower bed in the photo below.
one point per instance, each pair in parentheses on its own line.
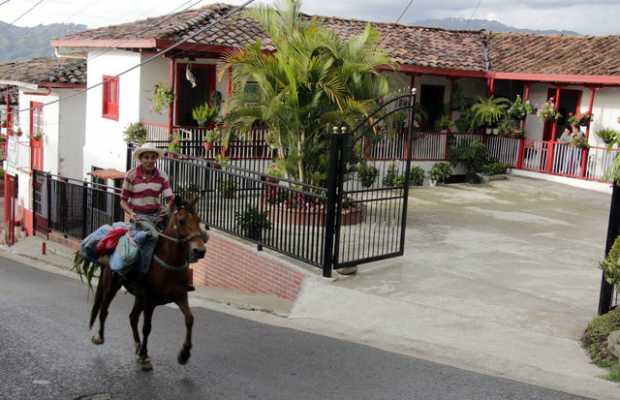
(314,216)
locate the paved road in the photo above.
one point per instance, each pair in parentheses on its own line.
(45,353)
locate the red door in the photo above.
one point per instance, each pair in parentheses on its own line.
(36,136)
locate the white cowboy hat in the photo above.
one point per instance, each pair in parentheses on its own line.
(147,148)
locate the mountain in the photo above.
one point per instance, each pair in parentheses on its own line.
(477,24)
(22,43)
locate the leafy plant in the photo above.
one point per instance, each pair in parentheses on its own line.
(548,112)
(367,174)
(580,119)
(85,269)
(495,168)
(213,135)
(38,135)
(580,142)
(228,188)
(135,133)
(444,123)
(487,112)
(174,146)
(441,172)
(390,176)
(163,96)
(594,339)
(252,222)
(473,155)
(520,109)
(608,135)
(204,113)
(416,176)
(464,122)
(1,173)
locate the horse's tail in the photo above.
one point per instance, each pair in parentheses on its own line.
(97,304)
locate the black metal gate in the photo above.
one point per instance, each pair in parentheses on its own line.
(373,186)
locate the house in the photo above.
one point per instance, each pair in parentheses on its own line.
(46,123)
(448,68)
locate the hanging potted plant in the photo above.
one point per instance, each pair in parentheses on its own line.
(163,96)
(17,131)
(519,110)
(608,135)
(548,113)
(581,142)
(580,119)
(135,133)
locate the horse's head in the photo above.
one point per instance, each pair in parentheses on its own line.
(184,225)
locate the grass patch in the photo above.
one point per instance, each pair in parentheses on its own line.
(594,340)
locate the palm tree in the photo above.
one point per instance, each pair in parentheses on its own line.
(313,79)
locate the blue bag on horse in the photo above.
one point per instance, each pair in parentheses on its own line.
(88,246)
(125,255)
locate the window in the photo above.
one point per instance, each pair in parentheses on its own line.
(110,97)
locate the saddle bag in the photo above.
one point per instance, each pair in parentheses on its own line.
(125,255)
(88,246)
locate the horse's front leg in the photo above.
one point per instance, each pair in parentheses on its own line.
(111,286)
(185,352)
(145,362)
(134,317)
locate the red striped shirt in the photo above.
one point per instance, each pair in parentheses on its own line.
(142,194)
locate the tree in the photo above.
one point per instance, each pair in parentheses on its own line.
(312,79)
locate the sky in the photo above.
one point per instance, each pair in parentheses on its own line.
(592,17)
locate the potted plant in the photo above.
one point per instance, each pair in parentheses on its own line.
(580,119)
(440,173)
(204,114)
(367,174)
(608,135)
(135,133)
(416,176)
(228,188)
(17,131)
(390,176)
(174,146)
(444,124)
(488,112)
(212,137)
(162,97)
(580,142)
(520,109)
(507,127)
(252,223)
(548,113)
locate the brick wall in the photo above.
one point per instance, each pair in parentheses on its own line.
(232,264)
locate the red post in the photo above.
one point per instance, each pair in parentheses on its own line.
(584,153)
(171,81)
(554,131)
(521,153)
(490,86)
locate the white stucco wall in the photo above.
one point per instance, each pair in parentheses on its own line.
(104,145)
(156,71)
(605,111)
(72,132)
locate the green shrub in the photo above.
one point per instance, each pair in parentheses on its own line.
(252,222)
(367,174)
(495,168)
(473,155)
(608,135)
(390,176)
(163,96)
(416,176)
(594,339)
(204,113)
(441,172)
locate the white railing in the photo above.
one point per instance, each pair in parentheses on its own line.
(430,146)
(599,162)
(567,159)
(504,149)
(535,155)
(156,132)
(23,156)
(466,138)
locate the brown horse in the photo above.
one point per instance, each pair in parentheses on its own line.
(182,242)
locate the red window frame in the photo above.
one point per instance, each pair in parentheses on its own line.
(110,98)
(36,146)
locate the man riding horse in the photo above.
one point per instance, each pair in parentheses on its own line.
(142,188)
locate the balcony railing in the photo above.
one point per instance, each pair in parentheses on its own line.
(555,158)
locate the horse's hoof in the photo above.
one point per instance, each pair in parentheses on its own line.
(145,364)
(97,340)
(183,357)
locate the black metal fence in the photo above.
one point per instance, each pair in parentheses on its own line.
(72,207)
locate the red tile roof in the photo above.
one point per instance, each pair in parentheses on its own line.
(45,71)
(406,45)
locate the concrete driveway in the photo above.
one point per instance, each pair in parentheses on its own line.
(501,278)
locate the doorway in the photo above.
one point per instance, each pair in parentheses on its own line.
(431,101)
(189,96)
(569,103)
